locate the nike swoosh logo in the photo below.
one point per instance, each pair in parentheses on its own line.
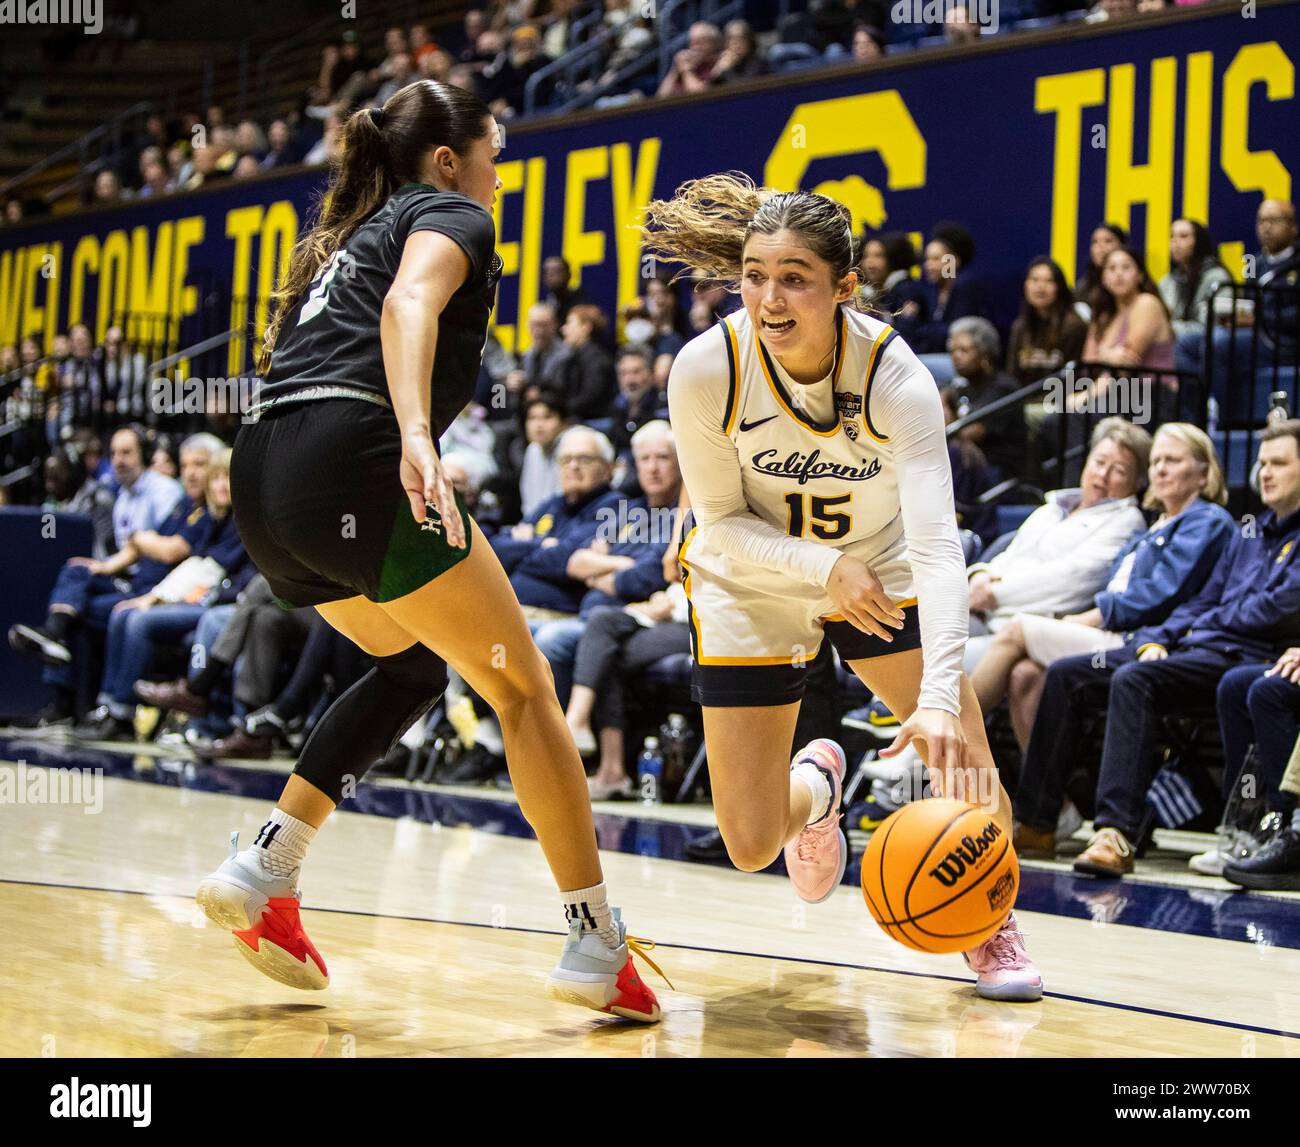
(751,425)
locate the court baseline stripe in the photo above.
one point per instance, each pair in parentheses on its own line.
(711,951)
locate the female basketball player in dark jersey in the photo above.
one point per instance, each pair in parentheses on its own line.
(342,502)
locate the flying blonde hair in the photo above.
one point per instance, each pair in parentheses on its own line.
(705,225)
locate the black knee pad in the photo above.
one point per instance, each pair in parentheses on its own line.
(416,679)
(416,668)
(370,717)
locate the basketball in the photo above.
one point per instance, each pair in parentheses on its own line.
(940,876)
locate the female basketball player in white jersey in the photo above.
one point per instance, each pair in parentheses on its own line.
(374,349)
(812,446)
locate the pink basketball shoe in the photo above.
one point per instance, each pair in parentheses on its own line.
(1005,971)
(817,857)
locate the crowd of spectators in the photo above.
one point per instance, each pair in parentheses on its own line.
(498,48)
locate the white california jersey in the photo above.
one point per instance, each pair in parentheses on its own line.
(779,493)
(831,481)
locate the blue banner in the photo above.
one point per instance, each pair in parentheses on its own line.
(1028,141)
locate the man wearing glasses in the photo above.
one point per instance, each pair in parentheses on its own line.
(535,552)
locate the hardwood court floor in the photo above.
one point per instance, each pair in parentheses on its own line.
(438,940)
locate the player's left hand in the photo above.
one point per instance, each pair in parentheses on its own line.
(944,740)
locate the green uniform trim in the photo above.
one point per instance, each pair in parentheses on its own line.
(416,556)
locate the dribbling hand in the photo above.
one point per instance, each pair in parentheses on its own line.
(427,486)
(861,599)
(945,747)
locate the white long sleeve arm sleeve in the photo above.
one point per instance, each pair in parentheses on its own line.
(905,407)
(710,465)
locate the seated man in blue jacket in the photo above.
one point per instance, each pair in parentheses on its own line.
(535,553)
(623,562)
(149,518)
(1249,610)
(139,624)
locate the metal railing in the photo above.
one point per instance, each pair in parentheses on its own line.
(577,66)
(1249,351)
(49,401)
(110,131)
(263,99)
(577,74)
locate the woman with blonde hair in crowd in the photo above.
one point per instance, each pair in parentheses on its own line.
(1161,568)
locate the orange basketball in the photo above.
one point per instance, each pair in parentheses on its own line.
(940,875)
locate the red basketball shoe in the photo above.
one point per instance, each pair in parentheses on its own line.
(262,913)
(593,975)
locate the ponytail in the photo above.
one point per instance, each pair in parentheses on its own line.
(382,148)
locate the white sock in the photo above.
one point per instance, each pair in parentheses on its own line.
(814,778)
(281,843)
(591,906)
(1295,820)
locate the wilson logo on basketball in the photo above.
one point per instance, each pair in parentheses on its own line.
(1004,888)
(967,854)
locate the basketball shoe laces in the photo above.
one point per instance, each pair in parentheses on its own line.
(1002,947)
(807,841)
(639,946)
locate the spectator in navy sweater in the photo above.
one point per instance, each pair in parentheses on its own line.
(164,614)
(624,561)
(535,553)
(1249,610)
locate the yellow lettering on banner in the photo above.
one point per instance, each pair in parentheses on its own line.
(279,233)
(242,223)
(185,299)
(1066,95)
(1152,182)
(11,275)
(53,285)
(1197,115)
(114,269)
(150,287)
(1248,170)
(530,257)
(85,257)
(32,311)
(512,179)
(878,122)
(631,192)
(582,248)
(1233,256)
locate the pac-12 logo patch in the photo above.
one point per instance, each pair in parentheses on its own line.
(849,407)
